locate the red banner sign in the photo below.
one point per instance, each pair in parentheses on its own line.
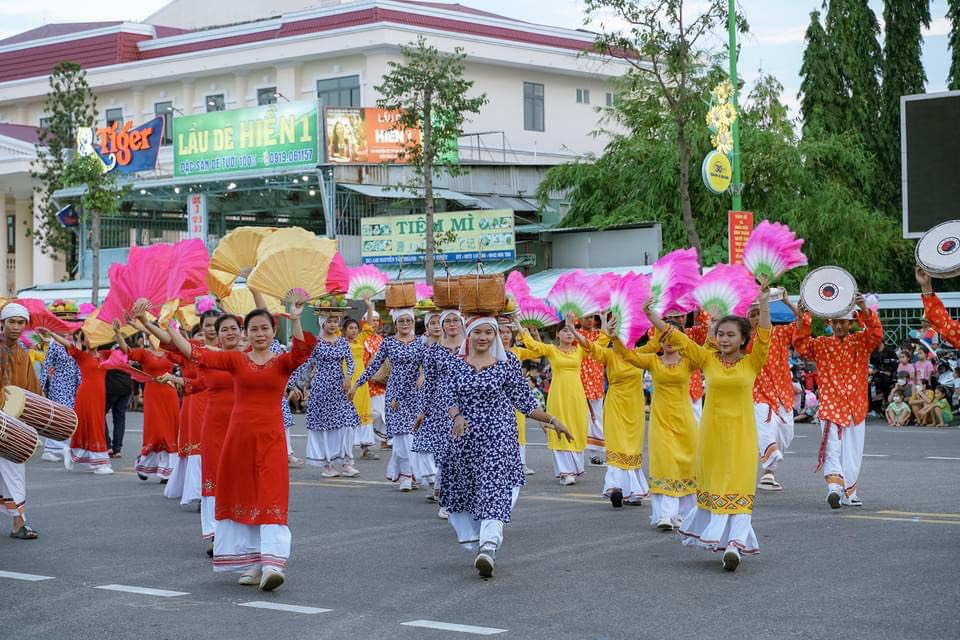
(739,227)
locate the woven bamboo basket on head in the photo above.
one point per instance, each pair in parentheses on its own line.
(446,292)
(401,294)
(482,294)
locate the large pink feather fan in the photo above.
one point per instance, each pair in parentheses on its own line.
(535,313)
(366,280)
(516,286)
(628,296)
(601,284)
(188,274)
(338,275)
(204,304)
(773,249)
(576,293)
(674,276)
(424,291)
(40,316)
(84,310)
(727,289)
(113,304)
(118,360)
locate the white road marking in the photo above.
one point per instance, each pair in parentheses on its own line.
(876,455)
(276,606)
(145,591)
(446,626)
(799,436)
(940,458)
(29,577)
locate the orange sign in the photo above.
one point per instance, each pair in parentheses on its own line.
(365,135)
(123,142)
(739,227)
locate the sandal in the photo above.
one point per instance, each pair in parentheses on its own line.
(26,532)
(369,455)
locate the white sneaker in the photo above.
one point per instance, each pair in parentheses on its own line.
(731,559)
(103,471)
(664,524)
(527,471)
(442,514)
(50,457)
(350,471)
(271,580)
(329,472)
(251,577)
(67,460)
(406,484)
(566,481)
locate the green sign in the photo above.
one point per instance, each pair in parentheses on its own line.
(274,136)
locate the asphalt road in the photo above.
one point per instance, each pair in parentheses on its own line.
(367,560)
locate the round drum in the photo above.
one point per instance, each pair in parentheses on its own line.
(829,292)
(938,251)
(18,441)
(51,420)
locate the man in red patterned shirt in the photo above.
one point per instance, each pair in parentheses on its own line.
(773,398)
(591,375)
(842,360)
(934,311)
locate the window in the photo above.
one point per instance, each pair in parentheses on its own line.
(611,99)
(12,234)
(339,92)
(216,102)
(165,110)
(45,122)
(583,96)
(533,106)
(267,95)
(115,115)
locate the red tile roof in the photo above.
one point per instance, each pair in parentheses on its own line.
(54,30)
(21,132)
(459,8)
(96,51)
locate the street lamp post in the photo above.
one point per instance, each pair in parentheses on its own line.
(737,186)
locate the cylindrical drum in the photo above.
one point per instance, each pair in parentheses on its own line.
(18,441)
(829,292)
(938,251)
(51,420)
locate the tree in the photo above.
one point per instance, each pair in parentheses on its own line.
(71,105)
(429,93)
(953,13)
(662,44)
(101,197)
(902,75)
(853,29)
(820,89)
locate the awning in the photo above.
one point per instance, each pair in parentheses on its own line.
(541,283)
(517,205)
(417,271)
(378,191)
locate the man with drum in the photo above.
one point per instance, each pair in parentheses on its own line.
(842,360)
(17,370)
(934,311)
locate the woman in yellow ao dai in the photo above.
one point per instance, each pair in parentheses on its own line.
(726,462)
(673,430)
(567,401)
(356,334)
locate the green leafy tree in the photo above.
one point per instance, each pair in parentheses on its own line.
(852,27)
(429,92)
(101,197)
(663,42)
(821,88)
(953,13)
(902,75)
(70,104)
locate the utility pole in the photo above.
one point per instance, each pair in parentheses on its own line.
(736,186)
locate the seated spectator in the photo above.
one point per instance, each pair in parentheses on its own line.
(945,376)
(898,411)
(941,407)
(921,404)
(906,366)
(924,367)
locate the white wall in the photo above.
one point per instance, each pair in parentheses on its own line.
(615,248)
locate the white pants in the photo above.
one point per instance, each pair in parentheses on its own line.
(567,463)
(92,459)
(191,479)
(156,464)
(13,488)
(671,507)
(174,486)
(286,432)
(399,465)
(208,513)
(702,528)
(774,433)
(377,407)
(632,483)
(843,457)
(595,440)
(239,547)
(424,467)
(363,436)
(55,447)
(331,446)
(473,533)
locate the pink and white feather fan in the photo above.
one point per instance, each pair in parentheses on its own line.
(576,293)
(424,291)
(366,280)
(674,276)
(727,289)
(516,286)
(535,313)
(628,296)
(773,249)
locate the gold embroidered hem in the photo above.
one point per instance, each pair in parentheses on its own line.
(676,487)
(725,504)
(624,461)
